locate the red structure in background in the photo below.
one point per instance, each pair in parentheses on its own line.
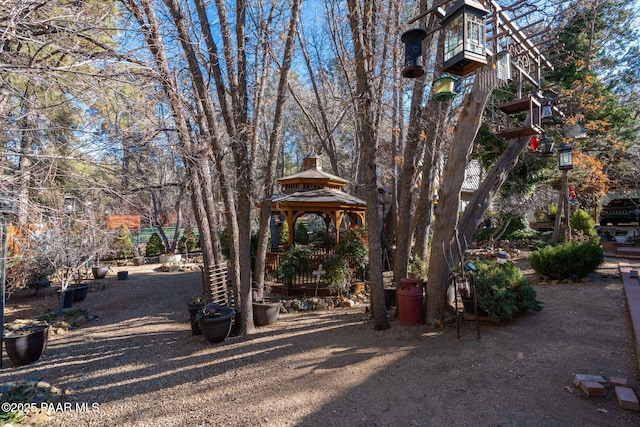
(131,221)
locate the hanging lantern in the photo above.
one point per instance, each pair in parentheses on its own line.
(465,37)
(412,40)
(565,157)
(444,87)
(546,115)
(503,62)
(546,146)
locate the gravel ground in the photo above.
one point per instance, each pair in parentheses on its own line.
(139,365)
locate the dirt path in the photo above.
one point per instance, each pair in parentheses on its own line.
(140,365)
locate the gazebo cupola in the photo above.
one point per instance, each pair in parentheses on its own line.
(313,191)
(311,178)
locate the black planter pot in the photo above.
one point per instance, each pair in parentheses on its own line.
(80,292)
(195,327)
(216,329)
(99,272)
(123,275)
(67,296)
(265,312)
(24,347)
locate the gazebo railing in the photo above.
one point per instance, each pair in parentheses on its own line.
(305,275)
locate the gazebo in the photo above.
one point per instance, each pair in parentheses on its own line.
(313,191)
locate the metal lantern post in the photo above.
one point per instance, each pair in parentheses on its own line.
(69,208)
(6,208)
(565,163)
(565,157)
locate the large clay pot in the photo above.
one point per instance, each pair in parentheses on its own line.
(217,328)
(99,272)
(80,292)
(26,346)
(265,312)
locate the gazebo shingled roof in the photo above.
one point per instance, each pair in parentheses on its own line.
(313,191)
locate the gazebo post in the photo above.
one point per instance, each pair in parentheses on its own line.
(327,223)
(339,217)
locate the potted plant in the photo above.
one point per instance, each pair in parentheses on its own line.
(196,303)
(99,271)
(26,344)
(621,236)
(215,321)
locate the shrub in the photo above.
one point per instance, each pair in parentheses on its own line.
(154,245)
(336,274)
(188,242)
(302,234)
(294,262)
(123,245)
(502,291)
(518,224)
(284,233)
(353,248)
(580,220)
(569,260)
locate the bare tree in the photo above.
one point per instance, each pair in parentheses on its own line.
(362,20)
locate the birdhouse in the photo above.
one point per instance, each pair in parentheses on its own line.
(412,39)
(465,37)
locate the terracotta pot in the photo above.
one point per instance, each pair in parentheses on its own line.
(99,272)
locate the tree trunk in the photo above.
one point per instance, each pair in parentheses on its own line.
(446,217)
(488,189)
(361,22)
(274,148)
(412,149)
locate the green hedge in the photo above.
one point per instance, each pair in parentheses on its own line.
(569,260)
